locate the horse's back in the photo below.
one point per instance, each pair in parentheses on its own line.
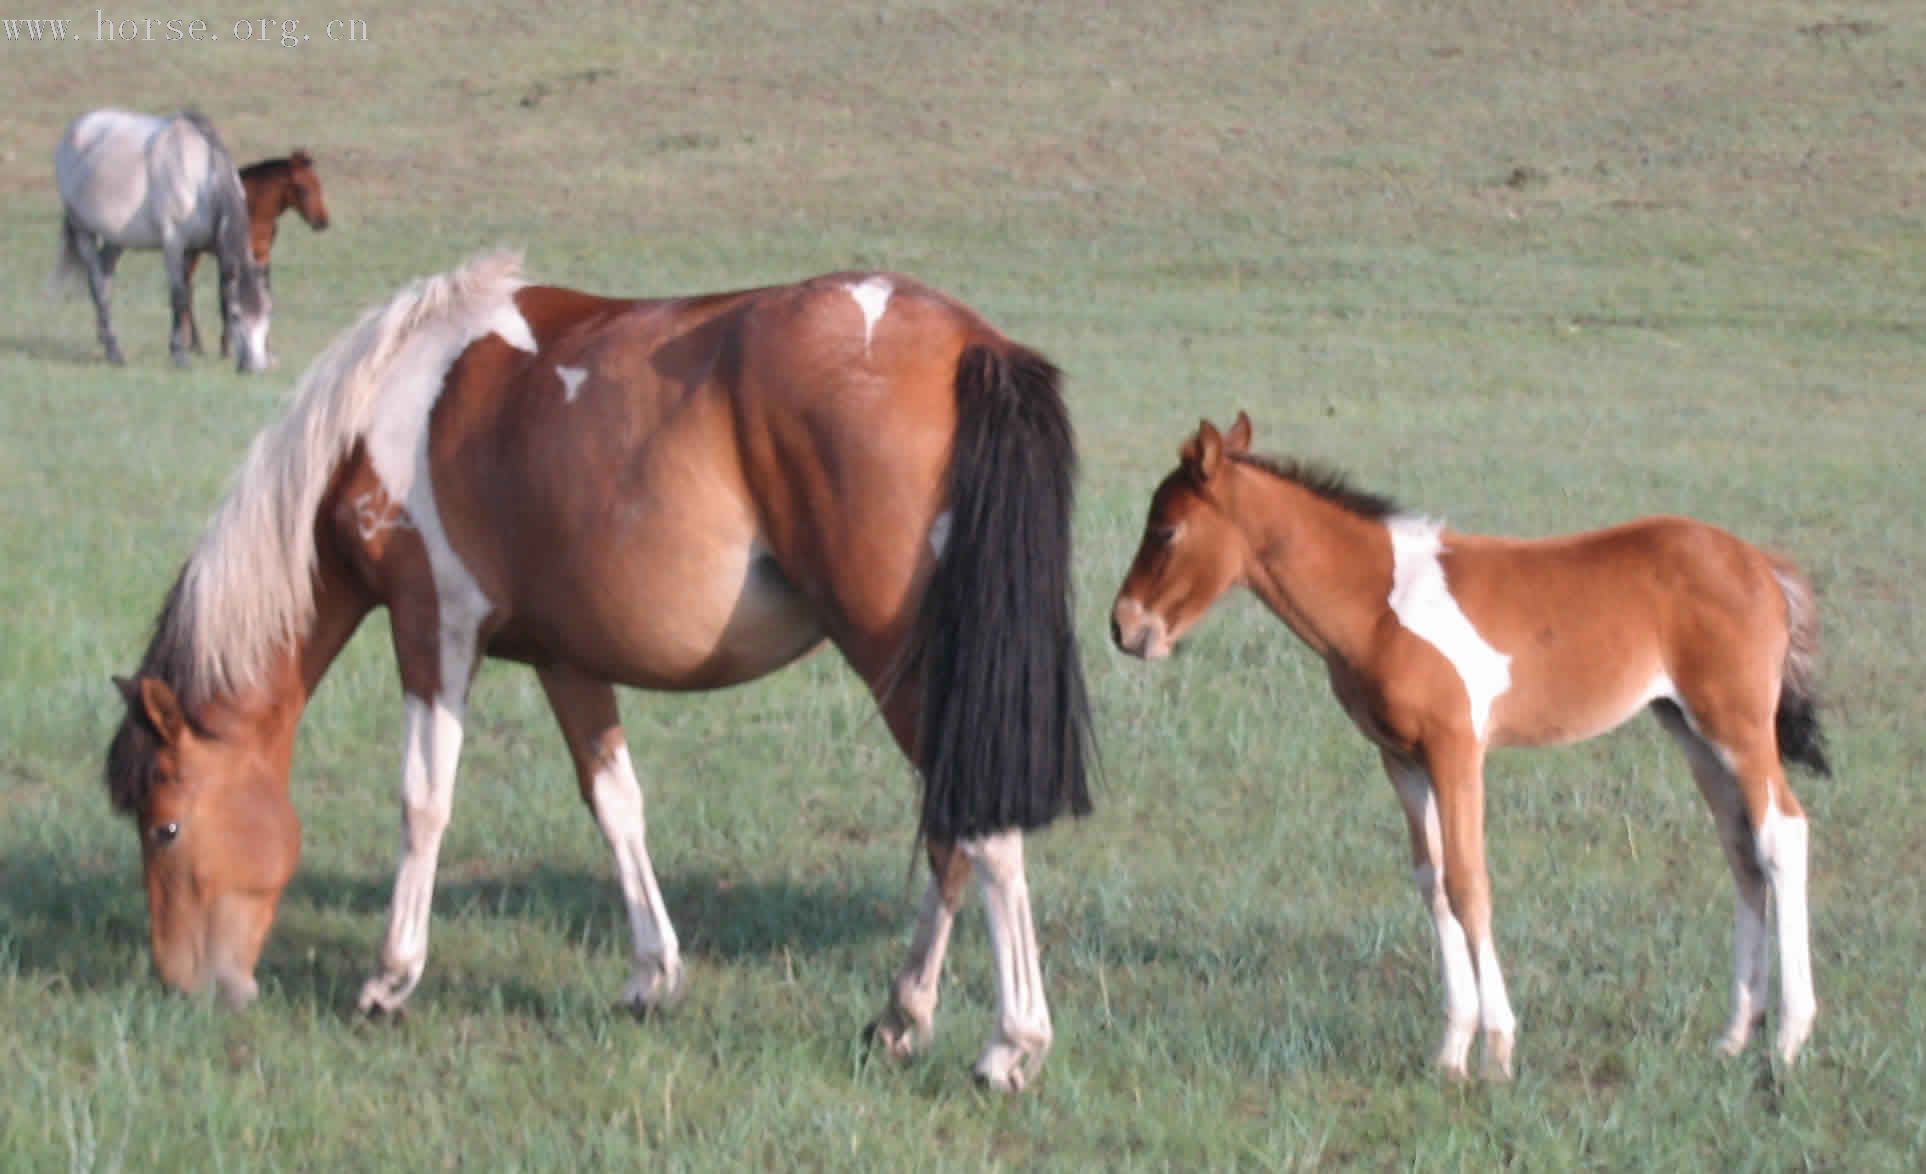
(135,179)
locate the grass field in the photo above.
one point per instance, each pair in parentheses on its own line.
(1533,267)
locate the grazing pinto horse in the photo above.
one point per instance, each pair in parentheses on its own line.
(136,181)
(677,494)
(273,186)
(1442,645)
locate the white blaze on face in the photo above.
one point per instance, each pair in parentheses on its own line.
(571,378)
(872,297)
(1422,601)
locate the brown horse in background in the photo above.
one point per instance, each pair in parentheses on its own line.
(1441,645)
(273,187)
(675,494)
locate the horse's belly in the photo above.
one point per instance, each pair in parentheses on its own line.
(691,622)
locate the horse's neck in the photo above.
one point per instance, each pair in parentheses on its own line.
(1323,569)
(269,712)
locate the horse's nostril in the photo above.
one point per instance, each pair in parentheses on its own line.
(1116,632)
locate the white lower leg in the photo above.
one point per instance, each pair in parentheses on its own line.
(430,750)
(1782,848)
(1494,1013)
(1460,977)
(1023,1034)
(656,975)
(908,1024)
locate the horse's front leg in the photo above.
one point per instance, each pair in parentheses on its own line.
(586,710)
(1454,955)
(96,259)
(192,260)
(1456,768)
(908,1023)
(182,334)
(436,689)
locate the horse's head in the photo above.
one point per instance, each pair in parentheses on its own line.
(245,284)
(304,190)
(218,839)
(1191,551)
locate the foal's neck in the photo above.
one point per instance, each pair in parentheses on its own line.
(1323,568)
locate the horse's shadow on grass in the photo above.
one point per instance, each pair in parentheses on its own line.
(49,349)
(88,931)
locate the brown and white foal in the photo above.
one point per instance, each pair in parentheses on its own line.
(1441,645)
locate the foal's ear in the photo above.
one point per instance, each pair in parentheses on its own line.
(1204,452)
(150,700)
(1238,439)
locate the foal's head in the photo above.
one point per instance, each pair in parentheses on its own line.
(218,839)
(304,190)
(1191,551)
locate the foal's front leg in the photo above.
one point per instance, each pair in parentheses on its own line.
(586,711)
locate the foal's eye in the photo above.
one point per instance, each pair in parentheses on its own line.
(1163,535)
(164,833)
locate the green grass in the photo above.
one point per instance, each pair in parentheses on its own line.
(1531,267)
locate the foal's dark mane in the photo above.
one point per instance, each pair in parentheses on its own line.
(1324,482)
(270,168)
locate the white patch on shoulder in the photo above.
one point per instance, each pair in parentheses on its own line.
(872,297)
(1422,601)
(571,378)
(940,533)
(397,446)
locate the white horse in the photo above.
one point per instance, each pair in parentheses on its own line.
(137,181)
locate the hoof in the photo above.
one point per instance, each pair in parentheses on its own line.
(1497,1065)
(1792,1037)
(1008,1068)
(380,999)
(115,358)
(654,987)
(896,1035)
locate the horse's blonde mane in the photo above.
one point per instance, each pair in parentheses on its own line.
(248,588)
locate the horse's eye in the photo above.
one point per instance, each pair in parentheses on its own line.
(164,833)
(1162,535)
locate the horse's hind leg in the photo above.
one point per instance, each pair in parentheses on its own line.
(585,708)
(908,1023)
(1763,831)
(98,260)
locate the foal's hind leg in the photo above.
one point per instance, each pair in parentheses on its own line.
(98,260)
(1763,830)
(586,710)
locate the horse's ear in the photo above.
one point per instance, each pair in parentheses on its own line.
(1204,452)
(1238,439)
(150,700)
(301,158)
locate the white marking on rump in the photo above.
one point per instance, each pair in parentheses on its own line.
(872,297)
(1422,601)
(571,378)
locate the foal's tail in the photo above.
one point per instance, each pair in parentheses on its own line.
(1005,735)
(1800,738)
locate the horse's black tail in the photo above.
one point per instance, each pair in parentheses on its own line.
(1797,721)
(1004,740)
